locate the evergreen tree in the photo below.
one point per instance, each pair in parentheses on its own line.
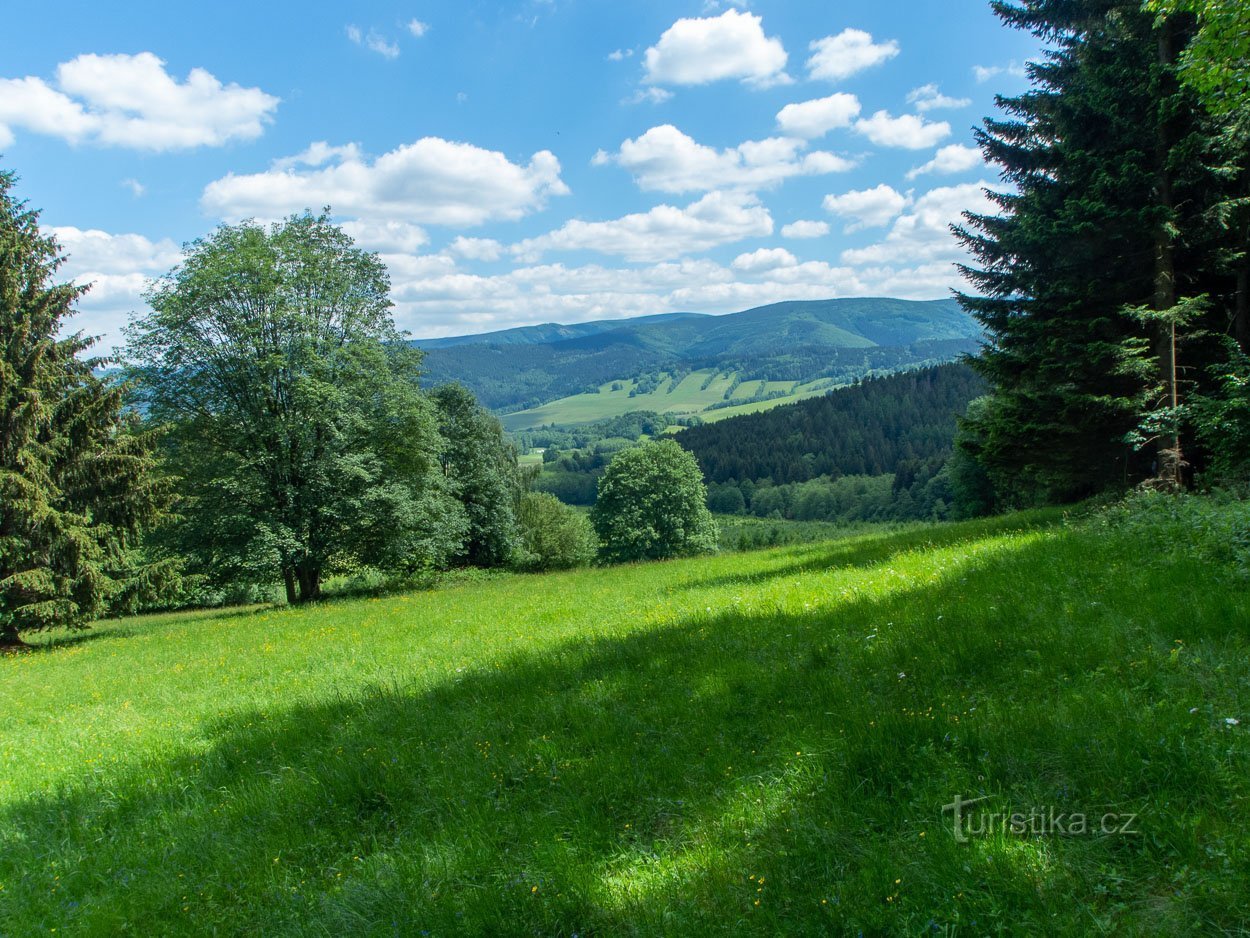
(1107,214)
(77,485)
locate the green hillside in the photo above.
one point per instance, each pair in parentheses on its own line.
(840,340)
(700,393)
(754,743)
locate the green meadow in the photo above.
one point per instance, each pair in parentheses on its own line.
(686,396)
(747,743)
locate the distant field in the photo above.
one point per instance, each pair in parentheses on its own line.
(687,397)
(751,743)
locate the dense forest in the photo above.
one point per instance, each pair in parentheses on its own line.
(867,429)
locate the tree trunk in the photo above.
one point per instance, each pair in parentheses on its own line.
(309,583)
(1169,460)
(1241,305)
(288,580)
(10,639)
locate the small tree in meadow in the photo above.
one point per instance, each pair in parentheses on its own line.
(554,536)
(652,505)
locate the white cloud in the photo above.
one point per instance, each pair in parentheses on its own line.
(984,73)
(374,42)
(135,186)
(922,235)
(418,28)
(805,229)
(476,249)
(667,160)
(868,208)
(664,231)
(906,131)
(764,259)
(817,117)
(119,268)
(431,181)
(131,101)
(930,98)
(850,51)
(619,55)
(392,237)
(651,95)
(955,158)
(732,45)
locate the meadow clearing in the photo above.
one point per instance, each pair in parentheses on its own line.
(688,395)
(755,742)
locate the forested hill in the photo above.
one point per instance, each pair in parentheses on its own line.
(793,341)
(868,429)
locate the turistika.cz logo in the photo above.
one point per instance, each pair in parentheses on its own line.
(968,821)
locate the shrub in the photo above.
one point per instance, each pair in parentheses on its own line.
(553,535)
(652,504)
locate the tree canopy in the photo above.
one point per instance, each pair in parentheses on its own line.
(291,409)
(652,505)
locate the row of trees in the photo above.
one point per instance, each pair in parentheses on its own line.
(1114,282)
(270,426)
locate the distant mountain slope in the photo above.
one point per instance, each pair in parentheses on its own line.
(545,332)
(799,341)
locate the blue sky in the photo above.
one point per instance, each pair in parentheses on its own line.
(516,162)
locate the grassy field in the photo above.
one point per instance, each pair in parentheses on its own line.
(687,397)
(748,743)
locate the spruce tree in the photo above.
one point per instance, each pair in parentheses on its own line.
(1105,159)
(77,485)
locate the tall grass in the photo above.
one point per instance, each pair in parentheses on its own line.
(756,742)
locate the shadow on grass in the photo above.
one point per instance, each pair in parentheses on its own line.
(731,773)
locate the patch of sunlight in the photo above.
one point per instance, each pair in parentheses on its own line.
(716,846)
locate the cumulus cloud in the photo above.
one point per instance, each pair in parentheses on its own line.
(667,160)
(431,181)
(867,208)
(476,249)
(922,234)
(662,232)
(850,51)
(805,229)
(955,158)
(817,117)
(374,42)
(118,267)
(930,98)
(764,259)
(697,51)
(131,101)
(137,189)
(386,236)
(418,28)
(907,131)
(620,55)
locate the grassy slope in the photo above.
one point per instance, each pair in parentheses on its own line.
(687,398)
(754,742)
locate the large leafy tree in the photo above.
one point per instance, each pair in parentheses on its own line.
(77,485)
(291,409)
(1107,212)
(652,505)
(481,467)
